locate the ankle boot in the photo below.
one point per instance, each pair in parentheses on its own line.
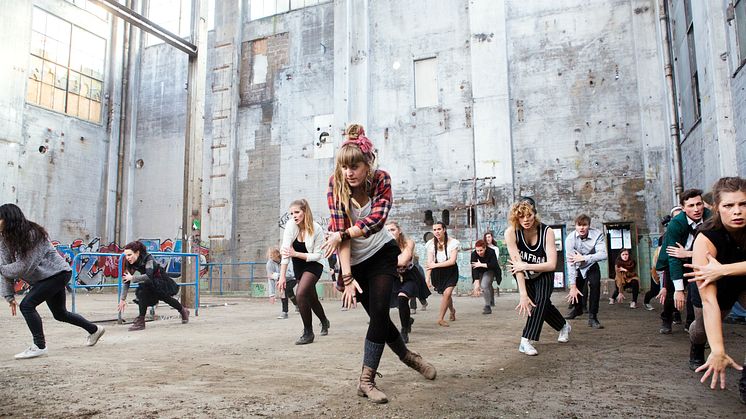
(184,315)
(414,360)
(593,322)
(306,337)
(696,356)
(138,324)
(367,386)
(404,335)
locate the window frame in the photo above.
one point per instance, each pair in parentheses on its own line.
(63,73)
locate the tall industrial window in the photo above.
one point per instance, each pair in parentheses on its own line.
(173,15)
(264,8)
(66,69)
(694,76)
(91,8)
(425,82)
(739,7)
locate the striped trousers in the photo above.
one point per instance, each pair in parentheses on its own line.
(539,290)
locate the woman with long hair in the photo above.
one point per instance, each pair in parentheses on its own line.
(273,277)
(407,287)
(626,277)
(360,199)
(533,256)
(153,284)
(301,243)
(489,238)
(442,271)
(26,252)
(718,260)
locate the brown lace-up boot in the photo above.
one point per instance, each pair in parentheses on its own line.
(138,324)
(367,387)
(415,361)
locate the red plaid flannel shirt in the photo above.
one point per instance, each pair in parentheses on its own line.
(381,200)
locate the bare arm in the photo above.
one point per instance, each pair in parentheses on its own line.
(406,255)
(525,304)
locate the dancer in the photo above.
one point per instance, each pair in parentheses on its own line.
(626,278)
(273,276)
(360,199)
(655,276)
(25,251)
(153,284)
(585,247)
(489,238)
(302,242)
(410,277)
(423,291)
(678,243)
(443,275)
(483,272)
(720,273)
(533,257)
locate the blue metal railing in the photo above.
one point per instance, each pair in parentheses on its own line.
(74,282)
(120,284)
(219,266)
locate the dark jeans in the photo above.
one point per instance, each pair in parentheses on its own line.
(51,290)
(593,280)
(147,296)
(652,292)
(634,285)
(668,306)
(289,294)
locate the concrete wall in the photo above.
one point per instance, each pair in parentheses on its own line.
(64,189)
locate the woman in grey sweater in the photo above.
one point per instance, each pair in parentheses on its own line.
(25,252)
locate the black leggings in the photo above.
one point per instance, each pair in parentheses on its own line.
(634,285)
(51,290)
(376,277)
(404,315)
(308,300)
(654,290)
(147,298)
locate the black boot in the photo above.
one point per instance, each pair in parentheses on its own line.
(665,328)
(487,310)
(404,334)
(696,356)
(306,337)
(593,322)
(325,327)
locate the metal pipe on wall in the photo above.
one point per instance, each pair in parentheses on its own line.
(678,179)
(126,58)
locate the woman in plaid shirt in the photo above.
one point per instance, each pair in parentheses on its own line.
(359,198)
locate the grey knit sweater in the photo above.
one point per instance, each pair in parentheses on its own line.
(40,263)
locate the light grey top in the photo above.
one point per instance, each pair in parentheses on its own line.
(362,248)
(40,263)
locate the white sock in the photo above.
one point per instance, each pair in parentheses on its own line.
(524,340)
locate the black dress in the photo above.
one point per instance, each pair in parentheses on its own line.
(443,278)
(300,265)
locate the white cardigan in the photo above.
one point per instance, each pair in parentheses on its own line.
(313,244)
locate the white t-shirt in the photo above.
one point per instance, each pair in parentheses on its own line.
(362,248)
(453,245)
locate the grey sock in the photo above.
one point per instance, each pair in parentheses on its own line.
(399,347)
(372,354)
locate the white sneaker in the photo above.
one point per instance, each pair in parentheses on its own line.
(95,336)
(526,348)
(32,352)
(564,335)
(633,305)
(283,315)
(611,301)
(648,307)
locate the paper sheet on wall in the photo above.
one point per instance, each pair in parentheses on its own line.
(616,239)
(627,236)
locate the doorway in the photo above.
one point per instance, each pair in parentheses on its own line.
(619,236)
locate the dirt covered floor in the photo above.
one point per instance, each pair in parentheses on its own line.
(237,360)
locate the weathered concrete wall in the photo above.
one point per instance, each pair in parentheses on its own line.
(585,102)
(63,189)
(708,146)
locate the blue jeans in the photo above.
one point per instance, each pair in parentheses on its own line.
(51,290)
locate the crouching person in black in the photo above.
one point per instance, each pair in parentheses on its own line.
(154,284)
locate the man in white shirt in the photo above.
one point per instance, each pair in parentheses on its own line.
(584,248)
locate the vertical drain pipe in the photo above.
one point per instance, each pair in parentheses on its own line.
(126,58)
(671,93)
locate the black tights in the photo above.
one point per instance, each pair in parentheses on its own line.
(144,303)
(308,300)
(375,299)
(404,315)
